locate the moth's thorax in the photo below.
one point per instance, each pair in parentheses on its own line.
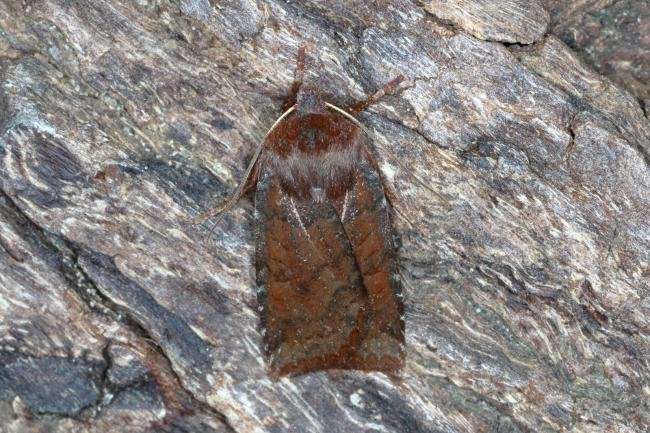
(315,154)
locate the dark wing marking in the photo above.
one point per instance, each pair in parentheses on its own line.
(366,221)
(311,291)
(327,286)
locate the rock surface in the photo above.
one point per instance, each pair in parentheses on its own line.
(613,36)
(513,21)
(520,181)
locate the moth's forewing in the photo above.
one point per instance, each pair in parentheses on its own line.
(367,224)
(329,294)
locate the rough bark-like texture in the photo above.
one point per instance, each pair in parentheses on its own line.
(514,21)
(520,182)
(612,36)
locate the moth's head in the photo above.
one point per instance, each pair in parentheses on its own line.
(309,100)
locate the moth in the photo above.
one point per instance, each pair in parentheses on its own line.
(329,294)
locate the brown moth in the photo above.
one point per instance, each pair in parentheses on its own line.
(328,286)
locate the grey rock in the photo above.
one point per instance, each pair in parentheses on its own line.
(513,21)
(50,385)
(611,36)
(126,368)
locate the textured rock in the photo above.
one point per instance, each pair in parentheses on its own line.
(611,36)
(50,385)
(514,21)
(520,182)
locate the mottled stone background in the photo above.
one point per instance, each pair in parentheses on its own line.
(517,151)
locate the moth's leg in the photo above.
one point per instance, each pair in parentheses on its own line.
(249,181)
(297,80)
(388,88)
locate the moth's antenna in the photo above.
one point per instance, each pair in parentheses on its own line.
(249,181)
